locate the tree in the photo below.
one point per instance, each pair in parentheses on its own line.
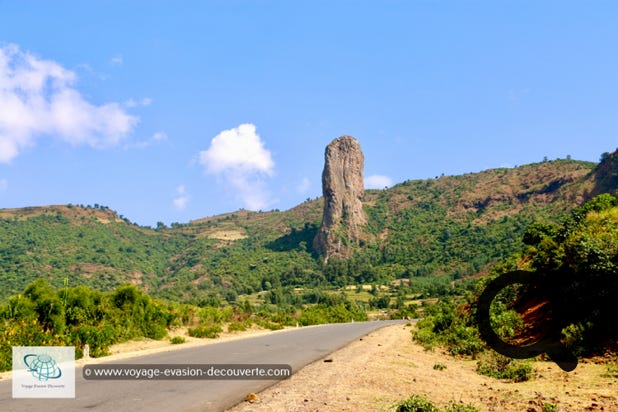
(577,266)
(47,305)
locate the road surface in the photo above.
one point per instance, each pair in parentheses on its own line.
(294,347)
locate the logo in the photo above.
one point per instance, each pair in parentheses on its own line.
(43,367)
(43,372)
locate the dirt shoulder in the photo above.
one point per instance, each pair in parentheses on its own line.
(386,367)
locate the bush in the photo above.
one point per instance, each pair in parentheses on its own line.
(464,340)
(416,403)
(501,367)
(340,313)
(425,337)
(79,316)
(450,325)
(176,340)
(236,327)
(266,324)
(99,339)
(206,331)
(406,312)
(211,314)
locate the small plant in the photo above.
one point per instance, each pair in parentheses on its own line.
(612,371)
(439,367)
(176,340)
(416,403)
(459,407)
(210,332)
(236,327)
(550,407)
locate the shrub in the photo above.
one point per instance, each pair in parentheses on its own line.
(501,367)
(443,325)
(340,313)
(99,339)
(405,312)
(211,314)
(424,334)
(439,367)
(266,324)
(206,331)
(463,340)
(176,340)
(416,403)
(236,327)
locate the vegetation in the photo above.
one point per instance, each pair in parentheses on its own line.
(579,260)
(206,331)
(501,367)
(575,262)
(465,225)
(449,324)
(418,403)
(44,316)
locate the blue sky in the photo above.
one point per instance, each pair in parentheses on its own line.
(172,111)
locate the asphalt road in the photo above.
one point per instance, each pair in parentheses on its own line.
(295,347)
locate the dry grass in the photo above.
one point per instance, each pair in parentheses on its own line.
(386,367)
(227,235)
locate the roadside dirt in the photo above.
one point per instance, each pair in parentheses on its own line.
(386,367)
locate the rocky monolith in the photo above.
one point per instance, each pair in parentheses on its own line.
(343,190)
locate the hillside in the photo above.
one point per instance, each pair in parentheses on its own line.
(82,246)
(452,225)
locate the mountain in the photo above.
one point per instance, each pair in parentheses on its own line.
(451,225)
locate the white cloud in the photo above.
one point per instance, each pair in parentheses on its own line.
(238,157)
(117,60)
(240,148)
(4,185)
(131,103)
(378,182)
(37,98)
(180,202)
(158,136)
(144,144)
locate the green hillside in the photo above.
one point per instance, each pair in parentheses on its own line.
(456,226)
(81,246)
